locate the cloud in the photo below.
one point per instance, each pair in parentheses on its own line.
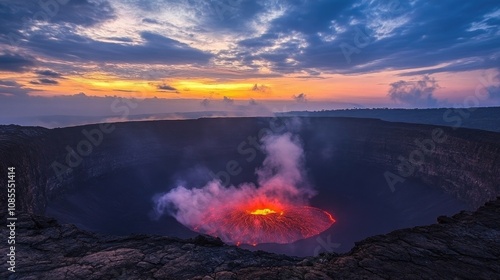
(261,88)
(120,39)
(468,64)
(48,73)
(415,93)
(8,83)
(15,62)
(124,90)
(84,12)
(156,49)
(300,98)
(150,20)
(227,15)
(80,94)
(227,100)
(12,88)
(44,81)
(205,102)
(381,35)
(18,17)
(166,87)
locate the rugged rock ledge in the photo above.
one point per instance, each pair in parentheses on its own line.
(465,246)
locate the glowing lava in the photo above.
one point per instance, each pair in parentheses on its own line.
(272,211)
(275,223)
(266,211)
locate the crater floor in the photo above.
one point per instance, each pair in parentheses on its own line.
(120,203)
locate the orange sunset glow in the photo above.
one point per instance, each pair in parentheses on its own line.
(251,57)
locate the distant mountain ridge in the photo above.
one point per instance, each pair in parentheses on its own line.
(485,118)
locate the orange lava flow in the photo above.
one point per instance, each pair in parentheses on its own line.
(255,223)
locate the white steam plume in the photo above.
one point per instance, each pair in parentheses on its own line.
(281,178)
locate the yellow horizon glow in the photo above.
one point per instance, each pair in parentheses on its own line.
(196,85)
(366,88)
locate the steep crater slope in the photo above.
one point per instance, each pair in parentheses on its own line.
(466,165)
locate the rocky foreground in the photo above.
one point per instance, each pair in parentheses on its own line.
(465,246)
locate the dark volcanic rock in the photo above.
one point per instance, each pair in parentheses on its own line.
(47,250)
(22,147)
(466,246)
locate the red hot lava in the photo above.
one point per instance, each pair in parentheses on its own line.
(265,222)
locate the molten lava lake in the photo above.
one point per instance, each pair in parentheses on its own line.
(281,224)
(357,197)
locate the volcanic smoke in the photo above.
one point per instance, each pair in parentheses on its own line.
(273,211)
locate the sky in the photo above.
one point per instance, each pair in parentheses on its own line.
(79,57)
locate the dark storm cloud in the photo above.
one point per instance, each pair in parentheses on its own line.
(415,93)
(157,49)
(15,62)
(44,81)
(213,15)
(84,12)
(309,17)
(120,39)
(8,83)
(150,20)
(12,88)
(124,90)
(232,14)
(48,73)
(17,16)
(430,34)
(48,81)
(265,40)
